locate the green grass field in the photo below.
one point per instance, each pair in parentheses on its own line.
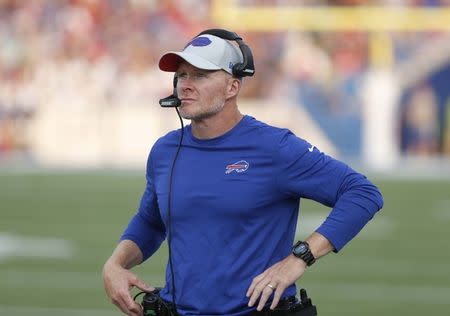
(71,221)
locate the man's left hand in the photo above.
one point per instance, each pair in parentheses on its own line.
(275,280)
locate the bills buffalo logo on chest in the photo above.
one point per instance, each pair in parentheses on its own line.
(237,167)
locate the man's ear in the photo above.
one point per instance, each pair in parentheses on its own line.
(233,88)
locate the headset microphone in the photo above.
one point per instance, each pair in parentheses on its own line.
(172,101)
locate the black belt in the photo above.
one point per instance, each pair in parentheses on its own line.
(310,311)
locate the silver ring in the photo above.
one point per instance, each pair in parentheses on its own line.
(271,286)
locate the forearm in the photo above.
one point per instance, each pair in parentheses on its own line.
(319,245)
(127,255)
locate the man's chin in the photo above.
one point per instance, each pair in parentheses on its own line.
(198,116)
(186,115)
(195,116)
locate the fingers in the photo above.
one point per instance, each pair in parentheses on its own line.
(260,291)
(277,296)
(141,285)
(274,281)
(255,281)
(126,304)
(266,293)
(261,288)
(118,283)
(263,293)
(131,307)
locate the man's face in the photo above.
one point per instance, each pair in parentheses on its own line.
(202,92)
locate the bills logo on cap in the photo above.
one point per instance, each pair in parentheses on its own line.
(199,42)
(238,167)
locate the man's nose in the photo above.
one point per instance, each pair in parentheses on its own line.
(184,83)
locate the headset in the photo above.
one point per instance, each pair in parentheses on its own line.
(240,70)
(244,69)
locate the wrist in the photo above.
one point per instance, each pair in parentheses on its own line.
(110,265)
(114,264)
(126,255)
(301,263)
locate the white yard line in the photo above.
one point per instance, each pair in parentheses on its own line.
(46,311)
(14,245)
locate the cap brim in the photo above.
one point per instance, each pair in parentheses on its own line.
(171,60)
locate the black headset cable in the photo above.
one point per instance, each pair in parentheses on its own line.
(169,210)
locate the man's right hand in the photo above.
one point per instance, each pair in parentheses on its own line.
(118,282)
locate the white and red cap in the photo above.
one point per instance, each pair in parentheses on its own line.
(207,52)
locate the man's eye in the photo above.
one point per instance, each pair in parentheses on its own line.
(181,75)
(200,74)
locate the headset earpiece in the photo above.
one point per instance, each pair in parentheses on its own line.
(247,67)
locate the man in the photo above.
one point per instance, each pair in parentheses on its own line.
(234,199)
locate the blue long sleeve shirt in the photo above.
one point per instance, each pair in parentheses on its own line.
(235,203)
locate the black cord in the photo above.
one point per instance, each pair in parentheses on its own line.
(137,295)
(169,210)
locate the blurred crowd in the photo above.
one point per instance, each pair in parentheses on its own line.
(104,53)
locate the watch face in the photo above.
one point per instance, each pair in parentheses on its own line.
(301,249)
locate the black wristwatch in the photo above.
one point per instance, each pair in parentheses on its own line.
(301,250)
